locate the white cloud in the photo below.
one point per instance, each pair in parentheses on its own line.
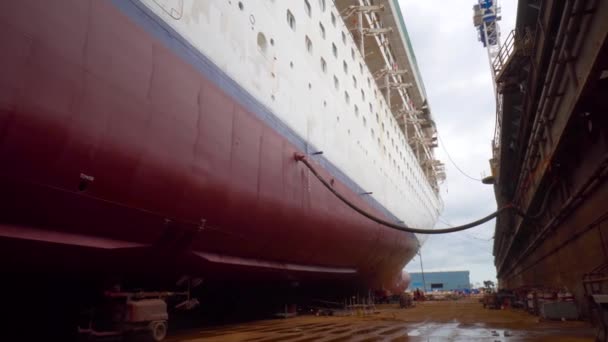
(456,74)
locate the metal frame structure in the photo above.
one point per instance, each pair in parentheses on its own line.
(414,118)
(486,15)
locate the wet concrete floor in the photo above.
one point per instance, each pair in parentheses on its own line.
(462,320)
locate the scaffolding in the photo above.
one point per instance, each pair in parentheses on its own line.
(394,75)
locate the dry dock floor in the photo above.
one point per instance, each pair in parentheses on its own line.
(461,320)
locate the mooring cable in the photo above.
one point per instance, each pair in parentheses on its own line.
(302,158)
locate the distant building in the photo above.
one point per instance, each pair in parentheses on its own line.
(441,281)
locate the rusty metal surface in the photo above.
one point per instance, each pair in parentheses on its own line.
(549,113)
(463,320)
(553,151)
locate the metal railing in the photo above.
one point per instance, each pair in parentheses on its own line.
(498,64)
(503,55)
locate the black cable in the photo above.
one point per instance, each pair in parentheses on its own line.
(466,234)
(403,228)
(452,161)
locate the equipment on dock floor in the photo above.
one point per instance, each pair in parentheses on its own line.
(127,313)
(405,300)
(419,295)
(596,289)
(601,302)
(351,306)
(498,300)
(490,301)
(559,310)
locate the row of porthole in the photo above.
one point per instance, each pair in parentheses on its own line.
(291,21)
(263,45)
(324,66)
(410,184)
(308,44)
(308,8)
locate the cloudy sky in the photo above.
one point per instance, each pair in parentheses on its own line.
(456,74)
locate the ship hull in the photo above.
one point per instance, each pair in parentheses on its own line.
(120,156)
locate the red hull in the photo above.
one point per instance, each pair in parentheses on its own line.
(115,152)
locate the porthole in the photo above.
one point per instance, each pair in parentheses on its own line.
(345,66)
(323,65)
(307,7)
(343,38)
(262,44)
(361,68)
(291,20)
(346,97)
(352,53)
(308,43)
(241,5)
(356,111)
(334,50)
(362,95)
(322,5)
(333,19)
(354,82)
(336,83)
(322,29)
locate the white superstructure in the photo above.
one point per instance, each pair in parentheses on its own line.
(300,60)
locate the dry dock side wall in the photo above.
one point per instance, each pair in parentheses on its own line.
(576,247)
(553,156)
